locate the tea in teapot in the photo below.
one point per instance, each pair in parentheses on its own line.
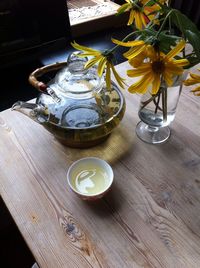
(75,106)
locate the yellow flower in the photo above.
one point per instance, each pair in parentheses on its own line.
(194,79)
(140,13)
(137,52)
(157,67)
(104,62)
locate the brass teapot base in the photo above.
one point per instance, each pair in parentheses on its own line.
(82,145)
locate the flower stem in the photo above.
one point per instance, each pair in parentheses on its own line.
(145,103)
(164,22)
(157,103)
(164,103)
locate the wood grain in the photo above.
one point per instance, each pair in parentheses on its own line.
(151,217)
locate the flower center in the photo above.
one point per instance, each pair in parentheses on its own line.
(158,67)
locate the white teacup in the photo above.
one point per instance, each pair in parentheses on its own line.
(90,178)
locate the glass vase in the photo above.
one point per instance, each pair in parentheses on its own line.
(158,111)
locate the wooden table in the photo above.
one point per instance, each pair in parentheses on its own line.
(151,218)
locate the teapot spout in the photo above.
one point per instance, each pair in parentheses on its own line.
(19,105)
(32,110)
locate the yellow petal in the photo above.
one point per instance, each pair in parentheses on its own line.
(194,79)
(86,54)
(172,68)
(162,1)
(190,82)
(128,43)
(143,19)
(84,48)
(108,79)
(137,61)
(92,62)
(119,79)
(152,53)
(133,52)
(131,17)
(181,63)
(175,50)
(101,66)
(142,70)
(138,22)
(141,85)
(168,78)
(156,84)
(152,10)
(195,76)
(196,91)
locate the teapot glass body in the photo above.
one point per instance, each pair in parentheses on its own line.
(76,107)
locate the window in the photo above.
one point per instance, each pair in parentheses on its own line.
(92,15)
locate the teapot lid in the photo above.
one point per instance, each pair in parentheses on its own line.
(75,80)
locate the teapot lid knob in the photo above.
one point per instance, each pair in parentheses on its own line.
(76,81)
(76,63)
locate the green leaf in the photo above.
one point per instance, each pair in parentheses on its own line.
(183,22)
(193,61)
(166,41)
(188,29)
(150,3)
(194,40)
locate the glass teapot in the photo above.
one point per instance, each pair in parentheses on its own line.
(75,106)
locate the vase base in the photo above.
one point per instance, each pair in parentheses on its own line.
(152,135)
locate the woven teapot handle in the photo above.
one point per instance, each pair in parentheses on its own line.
(33,77)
